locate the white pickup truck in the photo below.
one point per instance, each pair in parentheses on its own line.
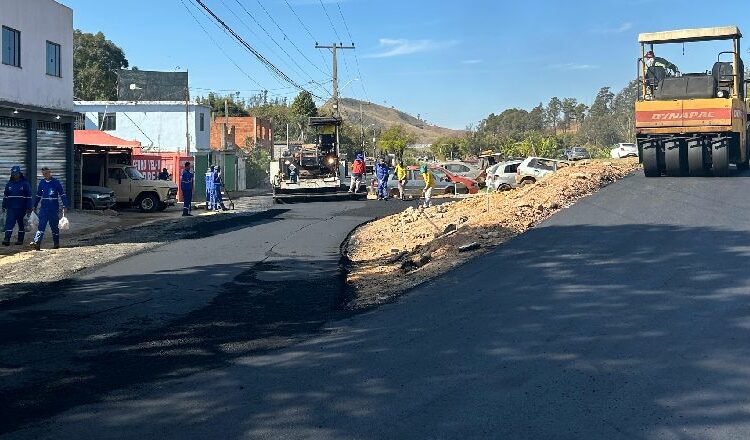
(133,189)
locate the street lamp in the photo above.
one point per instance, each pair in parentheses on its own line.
(347,83)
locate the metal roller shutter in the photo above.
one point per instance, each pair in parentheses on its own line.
(51,152)
(14,145)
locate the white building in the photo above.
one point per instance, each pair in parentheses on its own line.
(36,87)
(158,125)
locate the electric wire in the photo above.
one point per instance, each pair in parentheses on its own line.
(219,46)
(307,29)
(356,58)
(286,37)
(263,60)
(301,70)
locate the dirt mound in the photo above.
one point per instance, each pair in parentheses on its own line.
(423,243)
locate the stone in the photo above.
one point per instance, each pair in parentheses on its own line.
(469,247)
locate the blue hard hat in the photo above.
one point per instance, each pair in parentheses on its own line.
(15,170)
(360,156)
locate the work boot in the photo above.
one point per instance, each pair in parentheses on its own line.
(21,238)
(6,243)
(35,245)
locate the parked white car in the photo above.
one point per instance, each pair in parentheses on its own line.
(534,168)
(502,176)
(624,150)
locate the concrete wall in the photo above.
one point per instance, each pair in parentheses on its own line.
(159,126)
(38,21)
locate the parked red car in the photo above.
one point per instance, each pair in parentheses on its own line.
(470,184)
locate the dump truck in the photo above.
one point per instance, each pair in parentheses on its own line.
(313,172)
(692,124)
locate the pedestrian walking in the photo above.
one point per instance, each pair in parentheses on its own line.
(382,171)
(218,184)
(401,176)
(358,172)
(186,185)
(210,188)
(16,204)
(429,184)
(49,193)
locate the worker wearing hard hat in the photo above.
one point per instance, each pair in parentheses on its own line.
(654,61)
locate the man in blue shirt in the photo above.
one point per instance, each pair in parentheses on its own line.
(16,204)
(49,193)
(210,188)
(186,185)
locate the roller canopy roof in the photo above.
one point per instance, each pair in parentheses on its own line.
(688,35)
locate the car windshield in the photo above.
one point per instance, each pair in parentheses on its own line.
(439,175)
(134,174)
(579,150)
(628,145)
(493,168)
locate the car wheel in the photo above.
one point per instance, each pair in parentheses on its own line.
(503,187)
(148,203)
(527,181)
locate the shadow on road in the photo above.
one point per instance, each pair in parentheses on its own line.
(632,332)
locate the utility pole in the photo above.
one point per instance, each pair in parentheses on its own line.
(334,48)
(187,122)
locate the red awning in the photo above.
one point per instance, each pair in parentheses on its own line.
(101,139)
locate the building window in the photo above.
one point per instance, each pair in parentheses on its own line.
(11,47)
(53,59)
(107,121)
(203,122)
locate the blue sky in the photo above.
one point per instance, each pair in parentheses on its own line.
(453,62)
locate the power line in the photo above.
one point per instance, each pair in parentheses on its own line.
(286,37)
(300,68)
(263,60)
(336,32)
(356,58)
(307,29)
(219,46)
(338,38)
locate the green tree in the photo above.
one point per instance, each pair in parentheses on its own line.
(303,108)
(96,61)
(395,139)
(554,108)
(568,112)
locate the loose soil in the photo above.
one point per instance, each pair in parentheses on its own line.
(421,244)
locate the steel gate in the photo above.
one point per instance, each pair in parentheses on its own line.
(14,145)
(52,150)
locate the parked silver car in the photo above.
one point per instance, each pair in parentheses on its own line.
(415,184)
(577,153)
(534,168)
(462,169)
(502,176)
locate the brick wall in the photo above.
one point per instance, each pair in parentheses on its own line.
(240,129)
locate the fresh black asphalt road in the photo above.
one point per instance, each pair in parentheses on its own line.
(626,316)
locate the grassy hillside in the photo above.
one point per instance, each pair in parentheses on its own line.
(384,117)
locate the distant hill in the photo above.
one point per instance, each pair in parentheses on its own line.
(384,117)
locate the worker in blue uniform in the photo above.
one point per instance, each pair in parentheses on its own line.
(186,185)
(210,188)
(48,193)
(218,184)
(382,171)
(16,204)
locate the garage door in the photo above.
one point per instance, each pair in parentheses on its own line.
(52,151)
(14,145)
